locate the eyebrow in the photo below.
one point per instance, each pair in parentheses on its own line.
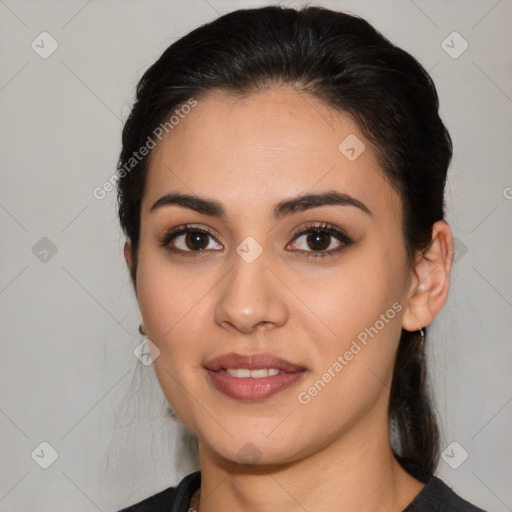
(286,207)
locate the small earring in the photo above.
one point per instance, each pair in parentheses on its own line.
(142,330)
(422,343)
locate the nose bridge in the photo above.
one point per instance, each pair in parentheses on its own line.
(252,295)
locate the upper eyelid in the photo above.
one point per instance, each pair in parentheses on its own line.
(322,226)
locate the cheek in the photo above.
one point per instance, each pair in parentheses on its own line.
(351,296)
(359,305)
(170,302)
(353,366)
(175,311)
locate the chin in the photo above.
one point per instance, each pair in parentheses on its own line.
(256,449)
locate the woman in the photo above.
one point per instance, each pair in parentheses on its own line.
(281,190)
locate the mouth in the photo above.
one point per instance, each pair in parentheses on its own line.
(252,377)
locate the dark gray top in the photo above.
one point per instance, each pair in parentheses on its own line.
(435,496)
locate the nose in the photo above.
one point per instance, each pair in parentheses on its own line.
(252,298)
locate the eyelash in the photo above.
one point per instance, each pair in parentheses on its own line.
(324,228)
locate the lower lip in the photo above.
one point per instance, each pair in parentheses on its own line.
(253,389)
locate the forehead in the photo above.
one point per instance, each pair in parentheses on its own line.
(253,151)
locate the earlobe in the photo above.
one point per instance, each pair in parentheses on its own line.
(431,279)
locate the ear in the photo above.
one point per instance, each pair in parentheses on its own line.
(128,255)
(131,261)
(430,280)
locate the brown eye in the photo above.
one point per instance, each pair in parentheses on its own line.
(320,240)
(189,240)
(196,240)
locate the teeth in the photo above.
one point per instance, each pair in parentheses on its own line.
(244,373)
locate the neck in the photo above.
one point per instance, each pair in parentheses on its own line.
(357,471)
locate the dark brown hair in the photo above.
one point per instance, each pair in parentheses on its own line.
(354,69)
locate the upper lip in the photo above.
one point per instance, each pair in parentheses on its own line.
(251,362)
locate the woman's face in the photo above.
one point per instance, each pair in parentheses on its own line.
(256,285)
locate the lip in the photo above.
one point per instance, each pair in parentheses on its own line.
(250,389)
(251,362)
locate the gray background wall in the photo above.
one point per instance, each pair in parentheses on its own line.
(69,377)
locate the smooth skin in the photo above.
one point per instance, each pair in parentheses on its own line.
(248,154)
